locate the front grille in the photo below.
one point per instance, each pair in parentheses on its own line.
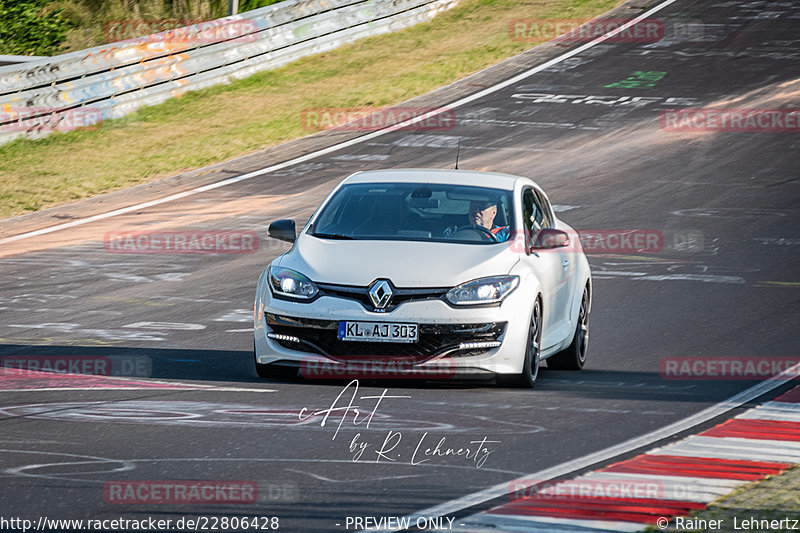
(320,337)
(361,295)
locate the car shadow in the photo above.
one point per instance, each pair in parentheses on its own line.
(237,366)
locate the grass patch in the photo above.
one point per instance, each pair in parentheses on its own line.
(227,121)
(776,498)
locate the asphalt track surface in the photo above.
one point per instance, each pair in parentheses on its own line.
(728,288)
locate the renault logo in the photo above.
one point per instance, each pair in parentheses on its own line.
(380,292)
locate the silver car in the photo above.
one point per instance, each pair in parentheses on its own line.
(425,273)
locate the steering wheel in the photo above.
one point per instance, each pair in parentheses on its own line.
(484,233)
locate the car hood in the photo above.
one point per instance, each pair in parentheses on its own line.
(406,264)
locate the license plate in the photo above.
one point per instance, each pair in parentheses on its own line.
(377,331)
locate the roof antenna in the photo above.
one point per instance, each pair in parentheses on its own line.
(458,152)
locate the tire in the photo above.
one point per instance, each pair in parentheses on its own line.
(273,371)
(574,356)
(530,370)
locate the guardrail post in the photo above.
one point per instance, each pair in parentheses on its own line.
(233,7)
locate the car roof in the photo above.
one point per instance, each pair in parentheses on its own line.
(476,178)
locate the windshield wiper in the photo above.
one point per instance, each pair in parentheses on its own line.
(333,236)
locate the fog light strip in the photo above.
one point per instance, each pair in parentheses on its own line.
(281,337)
(482,344)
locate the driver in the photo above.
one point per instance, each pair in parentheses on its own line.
(482,214)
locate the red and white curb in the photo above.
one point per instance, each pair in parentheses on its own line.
(662,483)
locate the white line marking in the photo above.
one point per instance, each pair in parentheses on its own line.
(177,385)
(236,315)
(313,155)
(238,389)
(180,326)
(331,480)
(46,389)
(360,157)
(620,273)
(563,208)
(169,388)
(710,278)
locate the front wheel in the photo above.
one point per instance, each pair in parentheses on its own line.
(530,370)
(574,357)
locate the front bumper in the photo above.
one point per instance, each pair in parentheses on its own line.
(470,340)
(435,340)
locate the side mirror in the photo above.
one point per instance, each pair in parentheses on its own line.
(551,238)
(283,230)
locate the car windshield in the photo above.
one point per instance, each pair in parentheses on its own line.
(417,212)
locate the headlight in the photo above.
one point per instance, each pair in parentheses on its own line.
(287,282)
(483,290)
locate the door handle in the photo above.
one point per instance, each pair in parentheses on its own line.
(565,263)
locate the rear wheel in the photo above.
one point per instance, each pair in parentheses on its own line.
(574,357)
(530,371)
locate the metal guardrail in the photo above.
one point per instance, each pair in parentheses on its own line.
(86,87)
(13,60)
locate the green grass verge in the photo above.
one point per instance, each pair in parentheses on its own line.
(227,121)
(750,507)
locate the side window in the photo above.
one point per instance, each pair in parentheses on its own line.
(543,206)
(529,214)
(535,213)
